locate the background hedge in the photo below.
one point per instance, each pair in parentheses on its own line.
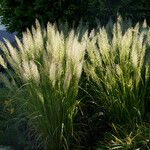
(19,14)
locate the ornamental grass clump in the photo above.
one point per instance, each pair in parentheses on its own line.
(45,69)
(118,69)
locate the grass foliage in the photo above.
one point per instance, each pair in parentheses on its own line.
(43,71)
(118,68)
(121,139)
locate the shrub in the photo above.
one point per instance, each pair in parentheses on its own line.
(17,15)
(20,14)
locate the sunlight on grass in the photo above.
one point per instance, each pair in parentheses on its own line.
(44,75)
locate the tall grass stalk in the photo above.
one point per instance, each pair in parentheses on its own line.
(45,70)
(118,68)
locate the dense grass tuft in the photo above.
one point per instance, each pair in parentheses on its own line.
(118,68)
(45,70)
(41,77)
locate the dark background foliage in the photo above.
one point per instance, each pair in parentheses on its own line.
(19,14)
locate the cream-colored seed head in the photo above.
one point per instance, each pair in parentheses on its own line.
(26,71)
(2,62)
(34,72)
